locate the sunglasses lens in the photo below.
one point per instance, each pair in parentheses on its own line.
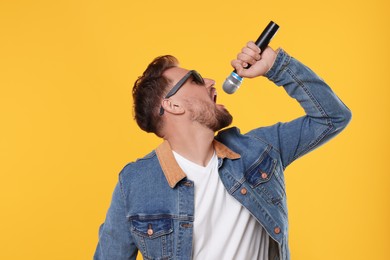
(198,78)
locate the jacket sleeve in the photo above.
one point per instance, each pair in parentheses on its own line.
(115,241)
(326,115)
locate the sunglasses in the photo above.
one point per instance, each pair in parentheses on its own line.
(197,78)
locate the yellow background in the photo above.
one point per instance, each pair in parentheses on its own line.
(66,74)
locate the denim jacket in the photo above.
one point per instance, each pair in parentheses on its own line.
(152,208)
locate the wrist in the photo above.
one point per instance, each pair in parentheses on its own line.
(281,60)
(275,54)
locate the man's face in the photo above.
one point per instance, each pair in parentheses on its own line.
(199,99)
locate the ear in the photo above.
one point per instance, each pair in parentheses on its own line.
(172,107)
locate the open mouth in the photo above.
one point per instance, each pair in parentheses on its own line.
(214,95)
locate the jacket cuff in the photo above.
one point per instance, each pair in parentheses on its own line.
(281,61)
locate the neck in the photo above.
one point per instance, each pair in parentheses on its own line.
(196,146)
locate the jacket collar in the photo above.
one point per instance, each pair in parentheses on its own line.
(172,170)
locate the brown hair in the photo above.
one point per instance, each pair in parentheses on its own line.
(148,91)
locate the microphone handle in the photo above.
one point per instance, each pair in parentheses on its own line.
(264,38)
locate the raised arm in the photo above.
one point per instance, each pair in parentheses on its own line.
(326,115)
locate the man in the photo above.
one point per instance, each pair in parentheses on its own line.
(201,196)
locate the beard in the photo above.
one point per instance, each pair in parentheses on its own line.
(209,115)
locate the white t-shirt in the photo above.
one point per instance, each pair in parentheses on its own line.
(223,228)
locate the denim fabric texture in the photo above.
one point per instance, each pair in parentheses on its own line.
(152,208)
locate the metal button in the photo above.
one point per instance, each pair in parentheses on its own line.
(150,230)
(277,230)
(188,184)
(243,191)
(186,225)
(264,175)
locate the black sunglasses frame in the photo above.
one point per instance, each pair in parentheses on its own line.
(197,77)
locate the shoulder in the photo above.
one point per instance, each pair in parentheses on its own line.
(141,165)
(233,137)
(250,145)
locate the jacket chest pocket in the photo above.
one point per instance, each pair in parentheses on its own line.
(154,237)
(264,178)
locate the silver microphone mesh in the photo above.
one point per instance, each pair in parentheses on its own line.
(232,83)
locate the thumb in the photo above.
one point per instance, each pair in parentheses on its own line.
(240,67)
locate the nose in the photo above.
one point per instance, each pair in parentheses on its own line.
(209,82)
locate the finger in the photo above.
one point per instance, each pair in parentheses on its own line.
(245,58)
(251,45)
(237,65)
(253,53)
(240,69)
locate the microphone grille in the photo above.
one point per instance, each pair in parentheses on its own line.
(232,83)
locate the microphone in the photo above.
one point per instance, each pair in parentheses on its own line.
(233,81)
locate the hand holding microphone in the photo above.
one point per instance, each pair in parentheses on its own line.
(249,56)
(250,63)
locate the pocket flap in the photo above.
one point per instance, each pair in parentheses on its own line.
(262,171)
(152,228)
